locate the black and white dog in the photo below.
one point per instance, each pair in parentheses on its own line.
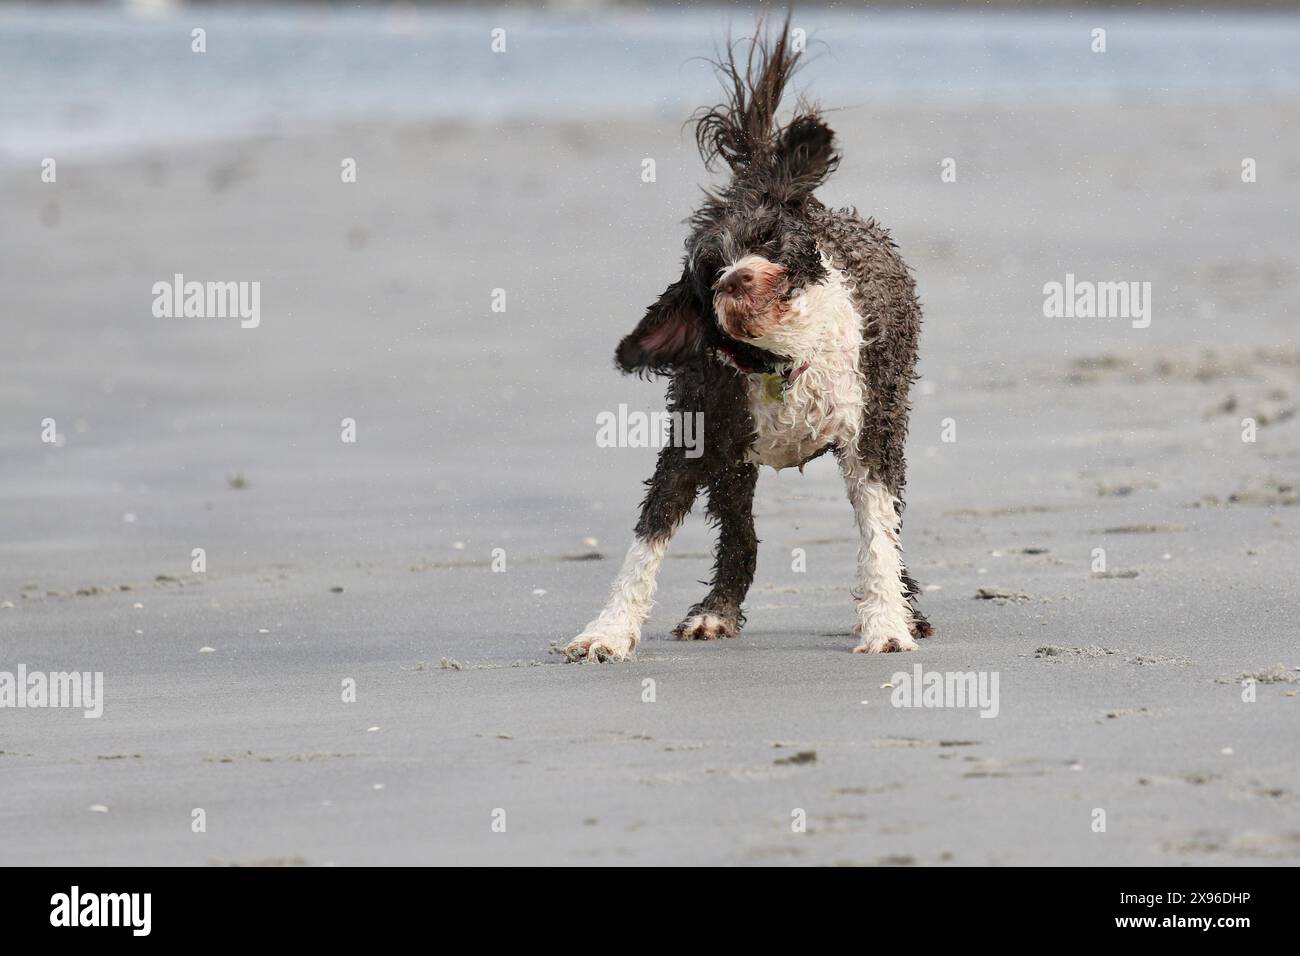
(794,329)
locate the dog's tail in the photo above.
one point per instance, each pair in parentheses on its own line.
(742,130)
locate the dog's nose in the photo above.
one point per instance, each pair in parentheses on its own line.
(737,282)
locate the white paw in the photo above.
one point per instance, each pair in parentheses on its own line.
(705,627)
(878,640)
(603,642)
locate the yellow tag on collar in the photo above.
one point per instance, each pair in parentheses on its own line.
(773,387)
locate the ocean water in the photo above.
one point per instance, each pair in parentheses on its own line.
(96,80)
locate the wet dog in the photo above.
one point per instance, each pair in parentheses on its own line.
(793,328)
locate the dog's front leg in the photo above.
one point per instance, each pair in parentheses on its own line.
(731,506)
(883,608)
(616,631)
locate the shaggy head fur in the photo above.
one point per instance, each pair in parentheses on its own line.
(757,228)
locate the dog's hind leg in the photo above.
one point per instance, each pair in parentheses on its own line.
(731,507)
(884,609)
(616,631)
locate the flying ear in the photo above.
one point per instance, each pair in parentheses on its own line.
(805,156)
(671,331)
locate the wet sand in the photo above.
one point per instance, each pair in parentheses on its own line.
(373,561)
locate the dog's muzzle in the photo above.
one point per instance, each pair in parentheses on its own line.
(749,297)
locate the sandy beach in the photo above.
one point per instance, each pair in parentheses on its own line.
(377,562)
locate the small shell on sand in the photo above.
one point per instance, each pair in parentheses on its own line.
(802,757)
(1001,596)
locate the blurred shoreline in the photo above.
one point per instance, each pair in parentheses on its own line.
(276,69)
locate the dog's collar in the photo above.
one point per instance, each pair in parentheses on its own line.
(788,372)
(729,357)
